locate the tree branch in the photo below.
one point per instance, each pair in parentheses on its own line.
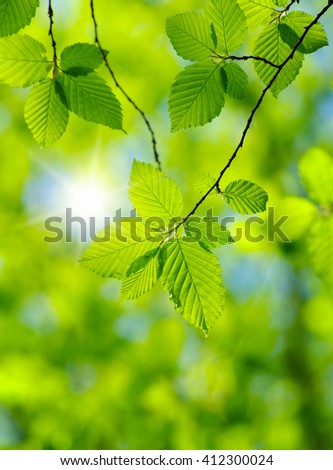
(290,5)
(253,57)
(53,42)
(216,185)
(117,84)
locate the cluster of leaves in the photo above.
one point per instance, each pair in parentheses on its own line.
(312,218)
(180,254)
(178,251)
(57,88)
(198,93)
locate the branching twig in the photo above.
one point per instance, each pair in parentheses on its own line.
(115,80)
(54,44)
(216,185)
(290,5)
(253,57)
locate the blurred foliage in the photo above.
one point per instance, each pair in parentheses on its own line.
(78,369)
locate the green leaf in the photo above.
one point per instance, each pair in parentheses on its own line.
(91,98)
(22,61)
(81,55)
(230,24)
(281,3)
(236,81)
(320,247)
(117,247)
(45,112)
(258,12)
(292,27)
(203,182)
(190,35)
(208,232)
(197,96)
(193,278)
(245,197)
(270,46)
(153,194)
(300,212)
(15,15)
(316,171)
(142,275)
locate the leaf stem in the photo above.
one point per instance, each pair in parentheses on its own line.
(254,111)
(53,42)
(117,84)
(246,57)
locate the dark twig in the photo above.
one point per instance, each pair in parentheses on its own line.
(290,5)
(115,80)
(253,57)
(216,185)
(54,44)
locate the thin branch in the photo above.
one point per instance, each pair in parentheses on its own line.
(53,42)
(117,84)
(290,5)
(216,185)
(253,57)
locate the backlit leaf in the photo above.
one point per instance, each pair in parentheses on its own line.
(316,171)
(203,182)
(91,98)
(258,12)
(292,27)
(209,232)
(117,247)
(271,46)
(142,275)
(229,23)
(81,55)
(197,96)
(236,81)
(45,112)
(192,276)
(190,35)
(153,194)
(15,15)
(22,61)
(245,197)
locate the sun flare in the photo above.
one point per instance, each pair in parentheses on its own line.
(87,198)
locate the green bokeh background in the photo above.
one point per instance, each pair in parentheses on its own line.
(79,369)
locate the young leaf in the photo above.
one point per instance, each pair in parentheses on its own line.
(316,171)
(22,61)
(45,112)
(91,98)
(320,247)
(81,55)
(258,12)
(229,23)
(197,96)
(153,194)
(192,276)
(245,197)
(271,46)
(142,275)
(203,182)
(208,232)
(301,214)
(236,81)
(15,15)
(281,3)
(117,247)
(190,35)
(292,27)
